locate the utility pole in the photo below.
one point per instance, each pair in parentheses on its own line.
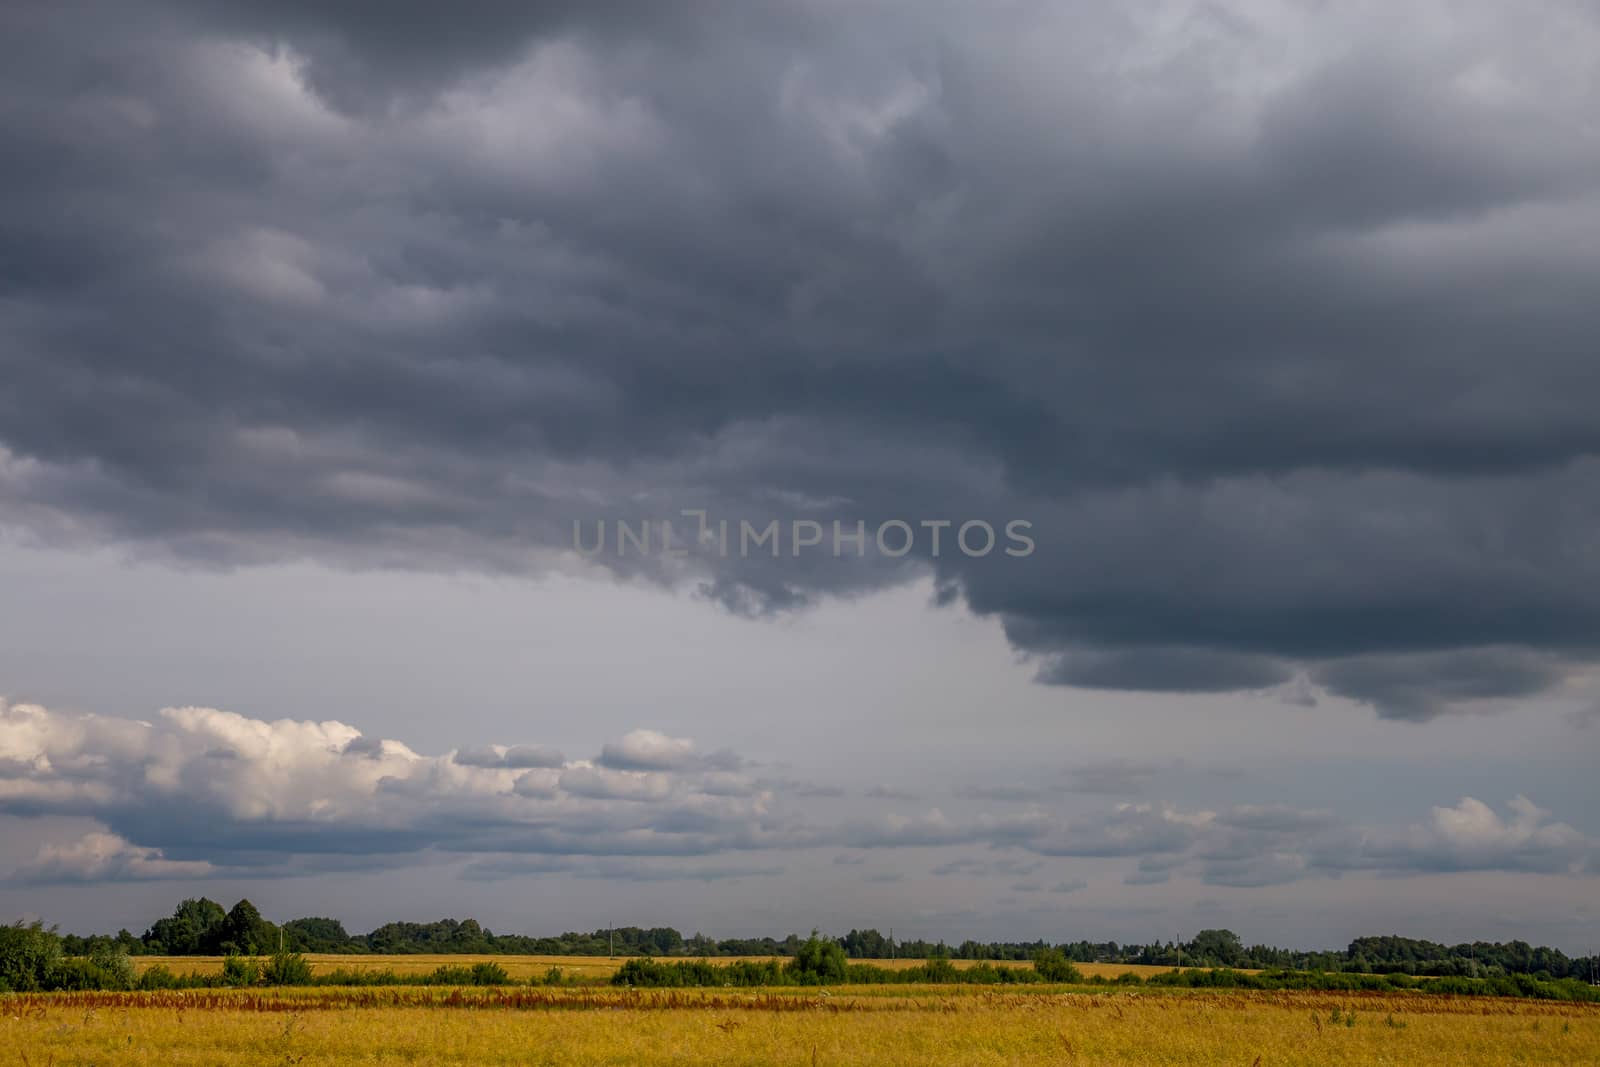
(612,943)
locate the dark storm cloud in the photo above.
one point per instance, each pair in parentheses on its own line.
(1190,669)
(1422,686)
(1287,358)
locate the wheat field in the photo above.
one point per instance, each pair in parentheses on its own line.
(579,967)
(913,1026)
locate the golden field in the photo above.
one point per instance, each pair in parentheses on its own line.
(524,967)
(912,1026)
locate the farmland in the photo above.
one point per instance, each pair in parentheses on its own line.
(523,967)
(845,1025)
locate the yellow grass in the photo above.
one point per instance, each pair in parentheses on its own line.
(693,1027)
(522,967)
(581,967)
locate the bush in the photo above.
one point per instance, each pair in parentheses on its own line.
(29,956)
(1054,967)
(366,977)
(158,977)
(239,971)
(450,974)
(118,969)
(76,974)
(287,968)
(489,974)
(819,961)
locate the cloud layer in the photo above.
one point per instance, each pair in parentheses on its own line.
(1276,323)
(198,792)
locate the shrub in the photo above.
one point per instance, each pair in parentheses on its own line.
(450,974)
(1054,967)
(365,977)
(113,962)
(287,968)
(29,954)
(818,961)
(489,974)
(158,977)
(76,974)
(239,971)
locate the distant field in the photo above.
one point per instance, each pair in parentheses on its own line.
(872,1026)
(536,966)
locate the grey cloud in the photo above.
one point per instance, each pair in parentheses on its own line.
(1125,830)
(1422,686)
(997,867)
(1249,871)
(362,746)
(1018,794)
(1275,817)
(1290,367)
(1115,777)
(799,787)
(364,55)
(628,870)
(1190,669)
(1471,835)
(516,756)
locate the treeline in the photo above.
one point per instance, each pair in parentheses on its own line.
(647,973)
(822,961)
(1365,955)
(200,927)
(32,960)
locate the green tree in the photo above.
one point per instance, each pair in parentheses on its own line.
(189,931)
(317,935)
(1217,948)
(818,961)
(29,957)
(244,931)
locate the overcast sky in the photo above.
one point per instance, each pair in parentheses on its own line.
(1214,384)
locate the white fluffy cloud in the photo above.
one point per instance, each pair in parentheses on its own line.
(199,791)
(649,750)
(205,783)
(103,857)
